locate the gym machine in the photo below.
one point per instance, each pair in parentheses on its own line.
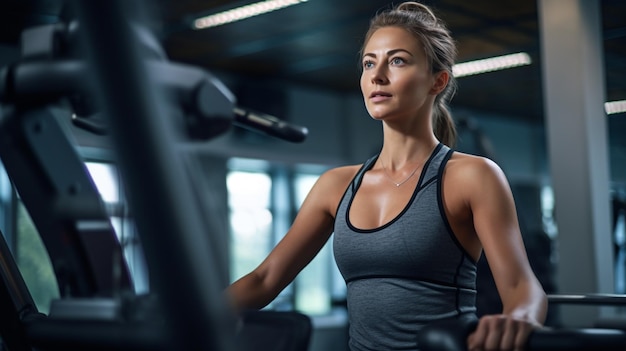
(149,104)
(108,62)
(451,335)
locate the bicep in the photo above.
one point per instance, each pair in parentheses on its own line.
(497,227)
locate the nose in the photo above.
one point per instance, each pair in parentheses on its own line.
(379,75)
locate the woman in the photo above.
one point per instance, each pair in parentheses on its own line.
(410,223)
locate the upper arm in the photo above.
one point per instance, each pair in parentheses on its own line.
(497,227)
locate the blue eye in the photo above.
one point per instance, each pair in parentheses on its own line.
(397,61)
(368,64)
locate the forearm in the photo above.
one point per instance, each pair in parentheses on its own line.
(249,292)
(528,301)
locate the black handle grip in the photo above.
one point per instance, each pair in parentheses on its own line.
(451,335)
(446,335)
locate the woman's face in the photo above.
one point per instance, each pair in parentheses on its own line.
(396,81)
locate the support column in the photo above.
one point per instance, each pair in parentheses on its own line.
(576,128)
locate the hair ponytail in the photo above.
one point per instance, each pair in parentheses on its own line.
(443,124)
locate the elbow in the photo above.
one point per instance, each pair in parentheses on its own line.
(250,292)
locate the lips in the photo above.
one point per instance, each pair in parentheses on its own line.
(379,96)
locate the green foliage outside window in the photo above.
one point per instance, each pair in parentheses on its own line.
(34,262)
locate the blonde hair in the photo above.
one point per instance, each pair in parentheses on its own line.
(440,48)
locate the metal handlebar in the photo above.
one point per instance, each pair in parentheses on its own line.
(451,335)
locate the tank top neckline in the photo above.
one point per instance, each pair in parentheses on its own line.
(357,184)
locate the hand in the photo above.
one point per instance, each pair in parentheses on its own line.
(500,332)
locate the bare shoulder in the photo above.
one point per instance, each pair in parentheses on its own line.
(338,178)
(473,174)
(331,186)
(469,166)
(476,192)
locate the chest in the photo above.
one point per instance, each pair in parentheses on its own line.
(378,202)
(414,236)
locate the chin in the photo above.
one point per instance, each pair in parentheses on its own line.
(376,114)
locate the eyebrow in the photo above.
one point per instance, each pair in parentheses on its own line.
(389,53)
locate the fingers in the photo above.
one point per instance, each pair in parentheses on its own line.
(499,332)
(522,335)
(508,336)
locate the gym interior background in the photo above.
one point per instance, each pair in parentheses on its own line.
(545,123)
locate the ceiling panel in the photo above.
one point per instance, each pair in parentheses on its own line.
(316,44)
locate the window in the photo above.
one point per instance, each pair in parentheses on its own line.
(314,283)
(33,261)
(263,201)
(106,177)
(32,257)
(250,220)
(6,198)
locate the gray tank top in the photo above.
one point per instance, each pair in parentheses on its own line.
(406,273)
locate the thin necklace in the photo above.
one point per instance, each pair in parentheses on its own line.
(402,182)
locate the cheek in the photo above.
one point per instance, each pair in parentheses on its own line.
(364,91)
(411,87)
(362,81)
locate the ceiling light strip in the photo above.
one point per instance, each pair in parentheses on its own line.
(613,107)
(490,64)
(243,12)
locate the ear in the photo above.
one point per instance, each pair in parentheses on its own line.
(440,82)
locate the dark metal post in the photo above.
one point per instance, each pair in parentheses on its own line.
(185,275)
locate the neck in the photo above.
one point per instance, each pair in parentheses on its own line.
(398,155)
